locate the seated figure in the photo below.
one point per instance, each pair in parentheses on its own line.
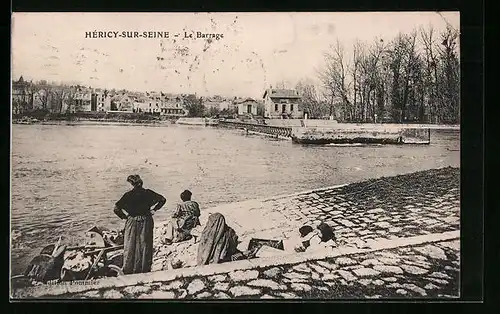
(218,243)
(185,218)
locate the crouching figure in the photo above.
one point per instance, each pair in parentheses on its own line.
(185,218)
(219,243)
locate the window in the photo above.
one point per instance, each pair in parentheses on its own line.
(283,108)
(276,107)
(291,107)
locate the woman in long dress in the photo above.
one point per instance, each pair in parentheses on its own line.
(136,206)
(218,242)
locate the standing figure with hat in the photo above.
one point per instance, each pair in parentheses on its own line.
(137,206)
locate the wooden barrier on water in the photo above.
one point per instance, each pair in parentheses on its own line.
(197,121)
(275,131)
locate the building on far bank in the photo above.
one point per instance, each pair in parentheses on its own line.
(172,106)
(141,104)
(83,100)
(216,103)
(22,99)
(101,100)
(121,102)
(159,104)
(282,103)
(247,107)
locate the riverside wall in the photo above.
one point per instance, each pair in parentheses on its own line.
(417,267)
(377,134)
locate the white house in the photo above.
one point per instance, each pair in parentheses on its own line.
(282,103)
(172,106)
(247,107)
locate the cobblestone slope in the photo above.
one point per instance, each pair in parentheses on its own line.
(361,214)
(400,206)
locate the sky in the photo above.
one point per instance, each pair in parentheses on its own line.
(258,50)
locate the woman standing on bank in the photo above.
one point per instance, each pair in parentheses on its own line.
(136,206)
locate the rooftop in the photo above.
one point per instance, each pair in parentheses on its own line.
(281,93)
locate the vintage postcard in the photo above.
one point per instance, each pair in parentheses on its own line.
(235,156)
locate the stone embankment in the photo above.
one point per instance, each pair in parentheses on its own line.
(417,267)
(395,237)
(420,271)
(376,134)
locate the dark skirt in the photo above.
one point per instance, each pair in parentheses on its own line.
(138,245)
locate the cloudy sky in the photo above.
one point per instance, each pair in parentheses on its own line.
(257,50)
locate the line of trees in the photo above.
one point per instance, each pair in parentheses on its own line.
(413,78)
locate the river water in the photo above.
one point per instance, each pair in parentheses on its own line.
(66,178)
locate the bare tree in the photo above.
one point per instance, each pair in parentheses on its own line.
(431,81)
(404,63)
(311,102)
(58,98)
(69,99)
(334,79)
(376,90)
(450,75)
(358,51)
(44,95)
(410,71)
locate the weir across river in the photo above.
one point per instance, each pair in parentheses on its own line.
(277,131)
(338,133)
